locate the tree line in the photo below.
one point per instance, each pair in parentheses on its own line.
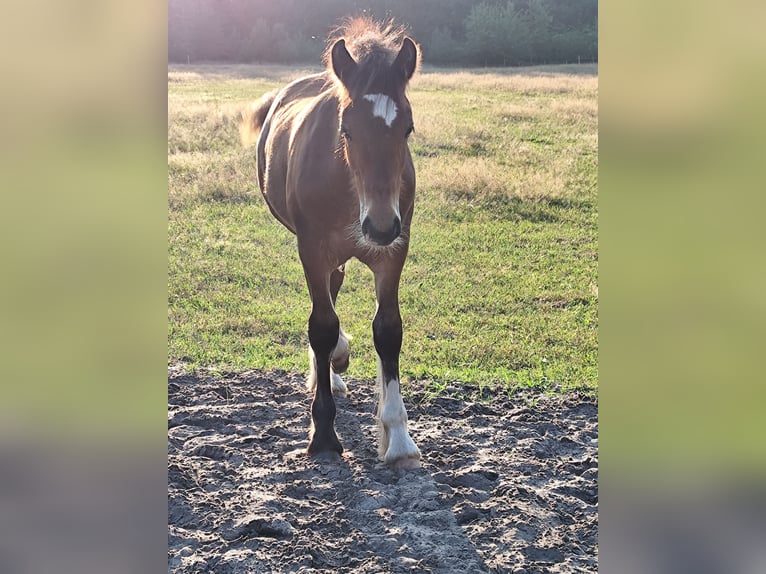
(450,32)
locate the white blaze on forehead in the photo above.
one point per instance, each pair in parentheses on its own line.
(383,107)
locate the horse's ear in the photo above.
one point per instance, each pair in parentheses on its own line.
(407,59)
(342,63)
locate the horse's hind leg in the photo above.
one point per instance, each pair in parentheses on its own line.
(396,447)
(340,355)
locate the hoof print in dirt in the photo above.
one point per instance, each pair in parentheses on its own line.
(210,451)
(258,527)
(468,514)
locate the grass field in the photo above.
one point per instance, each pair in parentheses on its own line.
(500,287)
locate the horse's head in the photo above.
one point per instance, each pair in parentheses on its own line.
(375,122)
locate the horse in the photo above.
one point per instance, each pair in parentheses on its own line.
(334,167)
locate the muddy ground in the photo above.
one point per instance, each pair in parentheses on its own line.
(509,484)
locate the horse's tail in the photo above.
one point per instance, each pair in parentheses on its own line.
(253,117)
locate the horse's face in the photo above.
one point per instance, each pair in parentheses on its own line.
(375,123)
(375,128)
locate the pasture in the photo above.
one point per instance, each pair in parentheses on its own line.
(500,287)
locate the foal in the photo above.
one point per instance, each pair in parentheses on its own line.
(335,169)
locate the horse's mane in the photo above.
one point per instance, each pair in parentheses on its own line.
(374,46)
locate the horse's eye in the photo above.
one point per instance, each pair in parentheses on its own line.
(344,133)
(409,131)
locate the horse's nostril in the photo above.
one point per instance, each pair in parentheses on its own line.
(397,229)
(366,227)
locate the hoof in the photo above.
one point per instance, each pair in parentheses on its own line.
(338,386)
(408,460)
(340,364)
(323,445)
(407,463)
(340,355)
(402,452)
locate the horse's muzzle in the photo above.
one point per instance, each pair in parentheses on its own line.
(382,237)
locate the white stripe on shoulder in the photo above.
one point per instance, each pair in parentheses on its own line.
(383,107)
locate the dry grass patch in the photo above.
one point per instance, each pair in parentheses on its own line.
(200,127)
(506,81)
(178,76)
(198,176)
(484,182)
(576,107)
(227,72)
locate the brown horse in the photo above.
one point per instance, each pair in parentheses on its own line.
(335,169)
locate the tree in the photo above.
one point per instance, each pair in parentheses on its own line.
(444,48)
(489,30)
(537,22)
(258,45)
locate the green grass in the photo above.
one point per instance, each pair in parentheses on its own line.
(500,288)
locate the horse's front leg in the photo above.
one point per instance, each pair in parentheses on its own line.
(396,447)
(324,329)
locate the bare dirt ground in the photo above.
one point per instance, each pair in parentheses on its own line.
(508,484)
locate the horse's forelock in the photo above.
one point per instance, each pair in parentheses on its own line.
(373,46)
